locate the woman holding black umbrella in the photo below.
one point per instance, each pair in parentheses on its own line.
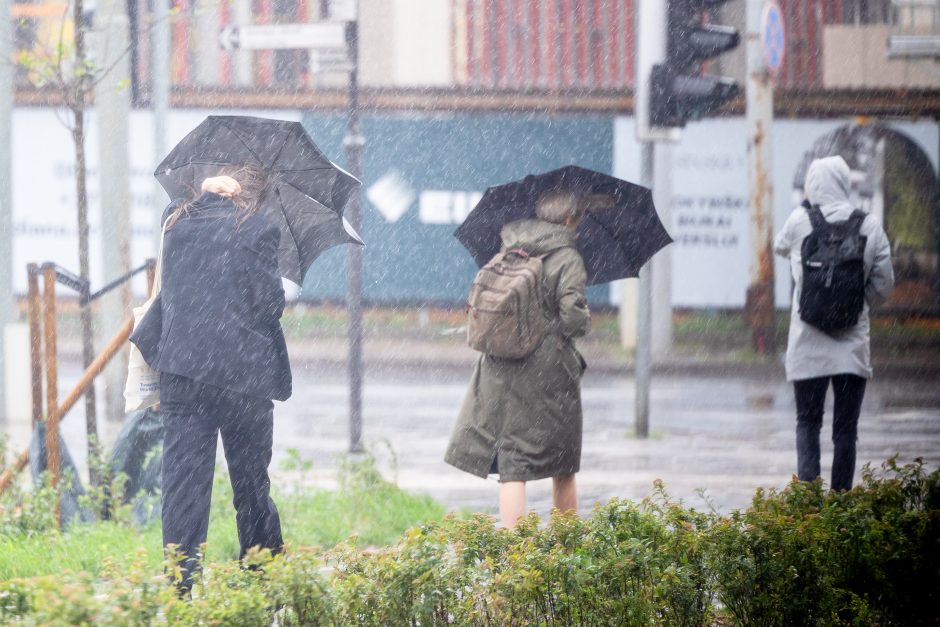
(214,335)
(521,418)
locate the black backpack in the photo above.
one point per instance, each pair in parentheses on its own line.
(833,289)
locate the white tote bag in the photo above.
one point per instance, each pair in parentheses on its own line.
(142,389)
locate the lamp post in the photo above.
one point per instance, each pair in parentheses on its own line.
(354,142)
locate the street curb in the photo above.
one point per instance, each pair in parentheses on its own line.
(705,368)
(332,357)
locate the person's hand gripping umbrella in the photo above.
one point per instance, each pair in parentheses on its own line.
(310,193)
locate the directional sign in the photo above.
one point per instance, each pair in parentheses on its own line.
(319,36)
(773,37)
(323,60)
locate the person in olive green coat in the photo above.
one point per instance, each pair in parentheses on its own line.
(521,418)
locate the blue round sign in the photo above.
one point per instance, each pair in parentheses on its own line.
(773,37)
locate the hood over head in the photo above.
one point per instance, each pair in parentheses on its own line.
(827,181)
(537,236)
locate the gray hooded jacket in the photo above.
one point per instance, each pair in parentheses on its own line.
(810,352)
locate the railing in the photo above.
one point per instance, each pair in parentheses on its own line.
(42,352)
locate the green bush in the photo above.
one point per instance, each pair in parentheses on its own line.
(798,556)
(807,556)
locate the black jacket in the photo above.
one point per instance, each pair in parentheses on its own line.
(217,317)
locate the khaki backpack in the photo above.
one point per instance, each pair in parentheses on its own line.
(504,308)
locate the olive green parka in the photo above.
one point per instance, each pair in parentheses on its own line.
(522,417)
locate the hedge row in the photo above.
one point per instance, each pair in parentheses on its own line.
(801,556)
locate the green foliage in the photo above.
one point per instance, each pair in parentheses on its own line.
(800,556)
(911,196)
(367,507)
(806,556)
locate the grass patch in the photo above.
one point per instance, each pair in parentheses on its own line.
(366,510)
(82,548)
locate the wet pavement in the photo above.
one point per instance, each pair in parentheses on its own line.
(713,439)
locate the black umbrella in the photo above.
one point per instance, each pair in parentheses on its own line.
(619,233)
(310,194)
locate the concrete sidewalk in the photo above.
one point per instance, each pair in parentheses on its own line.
(713,439)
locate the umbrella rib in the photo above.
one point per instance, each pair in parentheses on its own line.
(620,244)
(612,235)
(287,222)
(306,195)
(238,137)
(293,131)
(325,167)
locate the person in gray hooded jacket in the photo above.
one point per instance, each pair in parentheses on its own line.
(816,359)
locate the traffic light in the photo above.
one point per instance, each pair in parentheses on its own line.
(679,91)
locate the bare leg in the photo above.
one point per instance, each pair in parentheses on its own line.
(511,502)
(565,493)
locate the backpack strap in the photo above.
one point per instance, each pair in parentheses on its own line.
(854,223)
(816,218)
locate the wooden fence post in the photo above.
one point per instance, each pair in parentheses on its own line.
(35,340)
(53,457)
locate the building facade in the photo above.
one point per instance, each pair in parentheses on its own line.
(463,94)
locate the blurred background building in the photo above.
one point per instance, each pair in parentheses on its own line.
(529,45)
(462,94)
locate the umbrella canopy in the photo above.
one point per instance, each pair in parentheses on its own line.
(619,233)
(310,192)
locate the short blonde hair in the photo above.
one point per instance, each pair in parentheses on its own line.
(558,206)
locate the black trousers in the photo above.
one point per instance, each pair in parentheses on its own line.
(194,414)
(849,390)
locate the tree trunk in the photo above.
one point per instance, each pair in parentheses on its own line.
(78,138)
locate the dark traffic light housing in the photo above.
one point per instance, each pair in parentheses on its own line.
(679,91)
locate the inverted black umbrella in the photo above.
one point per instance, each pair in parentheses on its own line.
(310,192)
(618,234)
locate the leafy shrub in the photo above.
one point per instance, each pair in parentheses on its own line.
(870,555)
(798,556)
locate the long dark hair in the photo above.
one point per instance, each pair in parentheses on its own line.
(255,182)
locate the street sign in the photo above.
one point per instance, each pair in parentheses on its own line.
(325,60)
(773,37)
(914,46)
(319,36)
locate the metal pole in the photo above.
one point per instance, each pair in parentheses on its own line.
(644,317)
(759,307)
(7,302)
(113,104)
(244,59)
(661,264)
(160,99)
(354,143)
